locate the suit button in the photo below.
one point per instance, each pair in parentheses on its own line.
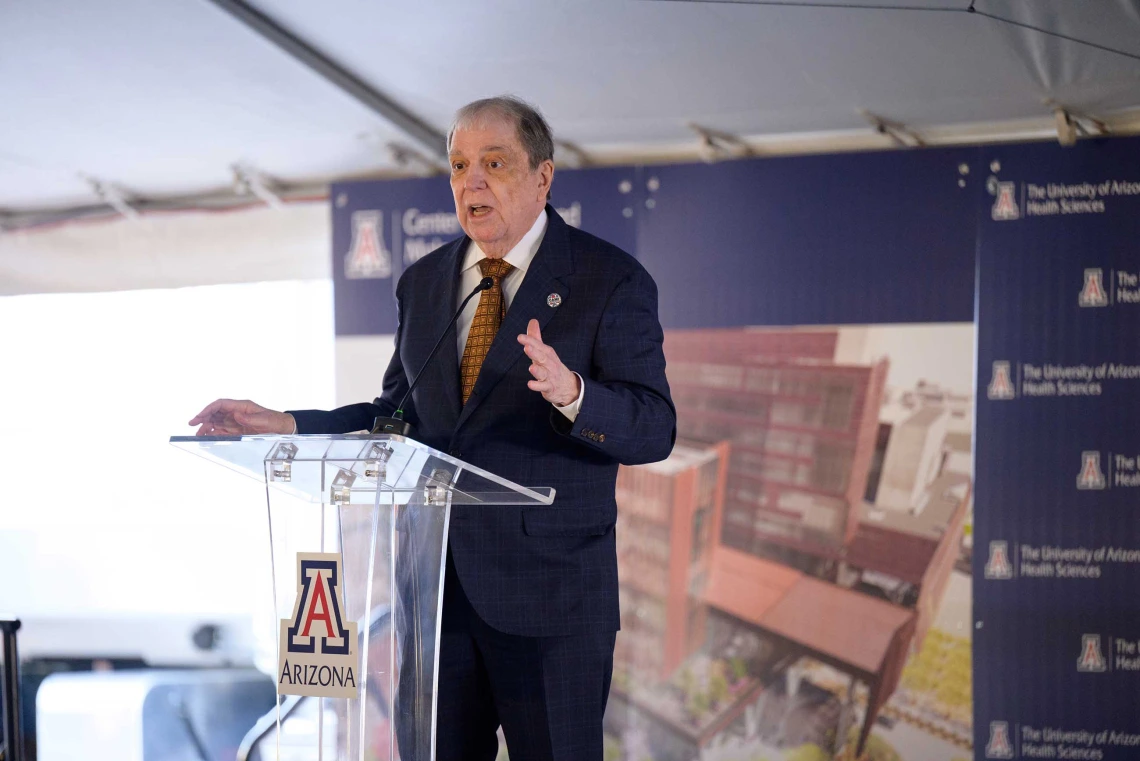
(601,437)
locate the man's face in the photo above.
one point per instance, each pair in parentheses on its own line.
(497,195)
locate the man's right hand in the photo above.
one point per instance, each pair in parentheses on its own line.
(230,417)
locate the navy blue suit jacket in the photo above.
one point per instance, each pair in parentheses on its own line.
(550,570)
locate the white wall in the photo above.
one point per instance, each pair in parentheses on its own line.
(360,365)
(98,513)
(100,517)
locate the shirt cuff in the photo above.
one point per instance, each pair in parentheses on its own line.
(571,409)
(294,433)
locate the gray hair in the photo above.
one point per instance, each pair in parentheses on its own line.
(533,131)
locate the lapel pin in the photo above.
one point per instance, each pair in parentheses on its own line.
(553,300)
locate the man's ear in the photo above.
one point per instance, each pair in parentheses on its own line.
(545,177)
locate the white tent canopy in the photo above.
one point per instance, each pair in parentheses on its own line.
(162,99)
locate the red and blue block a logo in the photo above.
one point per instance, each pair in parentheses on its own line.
(1005,206)
(318,653)
(1091,476)
(318,617)
(367,257)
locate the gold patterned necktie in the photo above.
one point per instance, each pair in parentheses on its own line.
(485,324)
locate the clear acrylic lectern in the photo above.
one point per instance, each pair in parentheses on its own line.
(382,504)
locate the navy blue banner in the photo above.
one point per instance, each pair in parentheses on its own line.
(844,239)
(838,239)
(1057,548)
(1061,686)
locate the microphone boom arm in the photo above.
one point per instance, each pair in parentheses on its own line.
(396,424)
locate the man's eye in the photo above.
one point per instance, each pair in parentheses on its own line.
(494,164)
(456,166)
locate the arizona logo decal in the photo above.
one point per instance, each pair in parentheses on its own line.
(1091,476)
(318,653)
(1093,293)
(1001,385)
(1091,659)
(998,565)
(998,745)
(1005,206)
(367,257)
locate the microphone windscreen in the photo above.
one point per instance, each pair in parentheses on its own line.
(486,284)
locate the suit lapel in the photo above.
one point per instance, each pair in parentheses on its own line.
(551,263)
(446,361)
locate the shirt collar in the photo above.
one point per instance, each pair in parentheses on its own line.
(518,257)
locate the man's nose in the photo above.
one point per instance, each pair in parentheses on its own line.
(475,178)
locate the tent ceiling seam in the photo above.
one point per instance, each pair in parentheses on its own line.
(428,138)
(909,8)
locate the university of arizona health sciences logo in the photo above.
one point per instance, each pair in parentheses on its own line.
(318,653)
(998,746)
(1092,292)
(367,257)
(1005,205)
(998,565)
(1001,383)
(1091,476)
(1091,659)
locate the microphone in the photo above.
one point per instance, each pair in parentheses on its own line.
(396,424)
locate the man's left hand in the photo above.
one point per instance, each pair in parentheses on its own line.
(557,383)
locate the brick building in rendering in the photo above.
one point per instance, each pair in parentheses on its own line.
(667,514)
(802,431)
(800,492)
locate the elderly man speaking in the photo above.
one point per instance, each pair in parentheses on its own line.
(558,376)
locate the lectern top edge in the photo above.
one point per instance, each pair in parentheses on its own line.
(358,464)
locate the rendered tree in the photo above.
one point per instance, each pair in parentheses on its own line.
(808,752)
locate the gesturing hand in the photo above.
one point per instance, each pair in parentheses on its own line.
(555,381)
(230,417)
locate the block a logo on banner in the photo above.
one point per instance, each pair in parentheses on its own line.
(1001,384)
(1091,660)
(1005,205)
(1092,292)
(998,565)
(999,745)
(318,654)
(1090,476)
(367,257)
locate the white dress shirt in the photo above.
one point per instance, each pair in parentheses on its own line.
(520,258)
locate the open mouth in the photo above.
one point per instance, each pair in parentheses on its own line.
(476,210)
